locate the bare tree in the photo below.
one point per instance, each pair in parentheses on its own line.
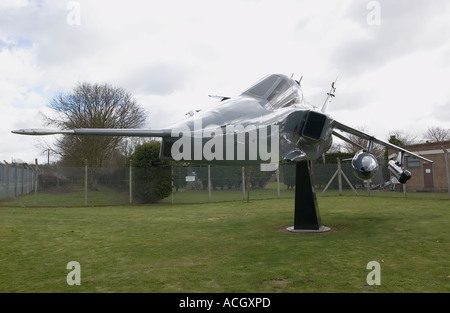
(93,106)
(377,150)
(405,137)
(437,134)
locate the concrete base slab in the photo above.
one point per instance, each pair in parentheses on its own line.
(321,229)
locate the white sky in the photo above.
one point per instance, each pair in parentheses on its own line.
(392,57)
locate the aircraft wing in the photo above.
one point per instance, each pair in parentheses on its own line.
(96,132)
(363,135)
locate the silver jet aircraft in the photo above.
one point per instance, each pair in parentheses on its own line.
(266,123)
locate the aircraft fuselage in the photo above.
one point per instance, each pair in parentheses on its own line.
(251,129)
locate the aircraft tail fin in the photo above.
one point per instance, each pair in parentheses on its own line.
(330,95)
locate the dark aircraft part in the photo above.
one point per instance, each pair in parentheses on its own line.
(365,165)
(165,149)
(310,124)
(314,125)
(402,174)
(305,135)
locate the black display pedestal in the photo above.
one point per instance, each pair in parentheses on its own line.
(307,215)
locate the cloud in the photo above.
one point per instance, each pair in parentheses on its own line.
(405,27)
(156,79)
(442,113)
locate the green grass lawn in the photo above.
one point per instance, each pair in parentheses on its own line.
(227,247)
(75,196)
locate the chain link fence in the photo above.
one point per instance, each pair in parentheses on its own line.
(16,180)
(53,185)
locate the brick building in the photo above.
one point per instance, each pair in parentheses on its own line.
(428,176)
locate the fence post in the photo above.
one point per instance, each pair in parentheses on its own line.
(36,182)
(22,179)
(171,184)
(131,183)
(278,181)
(7,179)
(248,184)
(447,169)
(15,181)
(209,183)
(28,179)
(340,172)
(85,181)
(243,183)
(339,176)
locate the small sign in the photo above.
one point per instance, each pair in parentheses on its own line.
(427,170)
(190,178)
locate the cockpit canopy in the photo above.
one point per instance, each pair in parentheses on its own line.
(279,90)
